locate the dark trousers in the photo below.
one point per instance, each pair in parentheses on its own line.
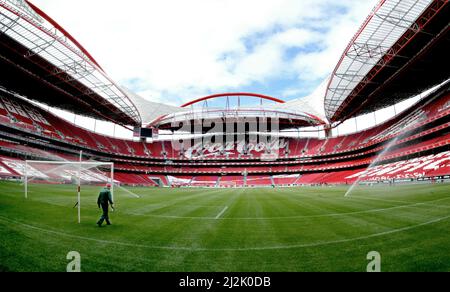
(105,208)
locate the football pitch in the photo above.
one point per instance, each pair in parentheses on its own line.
(293,229)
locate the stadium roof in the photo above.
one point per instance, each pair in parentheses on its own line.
(400,51)
(43,62)
(286,115)
(149,110)
(300,112)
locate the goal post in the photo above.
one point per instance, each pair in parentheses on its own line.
(75,173)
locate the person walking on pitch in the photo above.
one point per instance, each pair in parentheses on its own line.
(103,201)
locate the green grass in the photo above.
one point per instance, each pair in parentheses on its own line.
(299,229)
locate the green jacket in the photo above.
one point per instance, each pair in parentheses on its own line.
(104,197)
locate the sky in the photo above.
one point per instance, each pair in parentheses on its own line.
(173,51)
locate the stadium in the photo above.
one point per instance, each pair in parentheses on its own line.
(235,181)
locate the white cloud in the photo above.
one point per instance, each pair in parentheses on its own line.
(316,64)
(175,50)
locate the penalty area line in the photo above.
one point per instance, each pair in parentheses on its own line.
(221,212)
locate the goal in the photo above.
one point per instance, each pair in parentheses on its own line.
(68,173)
(228,184)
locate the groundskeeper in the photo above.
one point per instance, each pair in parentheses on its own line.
(103,201)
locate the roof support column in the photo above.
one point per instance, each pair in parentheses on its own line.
(328,131)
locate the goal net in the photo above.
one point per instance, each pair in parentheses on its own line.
(66,181)
(229,184)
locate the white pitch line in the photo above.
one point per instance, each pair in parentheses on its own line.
(127,191)
(294,246)
(426,203)
(378,199)
(397,201)
(221,213)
